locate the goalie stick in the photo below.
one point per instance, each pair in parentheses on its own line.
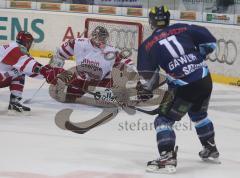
(150,112)
(82,127)
(62,120)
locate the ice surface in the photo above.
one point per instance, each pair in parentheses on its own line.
(34,147)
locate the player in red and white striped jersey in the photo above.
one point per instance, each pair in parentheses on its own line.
(95,61)
(15,63)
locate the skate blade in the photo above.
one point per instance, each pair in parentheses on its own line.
(15,113)
(169,169)
(212,160)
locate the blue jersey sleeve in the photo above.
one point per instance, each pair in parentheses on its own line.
(203,39)
(146,65)
(201,35)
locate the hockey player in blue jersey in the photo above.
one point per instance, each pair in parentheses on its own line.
(180,50)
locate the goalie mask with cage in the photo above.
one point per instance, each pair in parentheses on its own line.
(99,37)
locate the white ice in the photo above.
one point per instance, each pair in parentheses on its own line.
(34,147)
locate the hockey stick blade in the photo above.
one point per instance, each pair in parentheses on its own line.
(62,119)
(70,126)
(150,112)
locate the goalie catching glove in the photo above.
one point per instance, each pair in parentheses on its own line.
(143,94)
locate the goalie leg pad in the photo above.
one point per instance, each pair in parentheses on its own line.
(76,89)
(73,93)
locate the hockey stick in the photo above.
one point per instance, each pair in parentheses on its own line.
(81,130)
(27,101)
(156,110)
(150,112)
(62,120)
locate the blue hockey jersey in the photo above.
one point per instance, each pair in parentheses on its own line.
(179,49)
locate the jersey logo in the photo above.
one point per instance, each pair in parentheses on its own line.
(164,35)
(81,39)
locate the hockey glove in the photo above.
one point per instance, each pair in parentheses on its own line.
(50,73)
(67,76)
(142,93)
(57,60)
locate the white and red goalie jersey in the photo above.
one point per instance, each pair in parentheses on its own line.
(91,61)
(11,57)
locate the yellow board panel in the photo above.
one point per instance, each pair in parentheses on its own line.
(43,54)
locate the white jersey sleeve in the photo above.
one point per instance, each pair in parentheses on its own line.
(11,57)
(66,50)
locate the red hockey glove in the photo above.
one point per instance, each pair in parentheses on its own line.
(50,73)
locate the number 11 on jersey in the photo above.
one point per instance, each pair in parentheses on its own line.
(168,45)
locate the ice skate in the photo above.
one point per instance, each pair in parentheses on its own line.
(15,107)
(210,152)
(166,164)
